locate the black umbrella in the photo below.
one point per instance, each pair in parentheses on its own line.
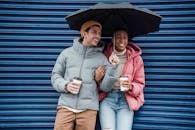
(115,16)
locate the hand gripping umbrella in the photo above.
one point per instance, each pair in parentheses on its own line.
(136,21)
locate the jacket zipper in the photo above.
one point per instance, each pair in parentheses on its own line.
(80,73)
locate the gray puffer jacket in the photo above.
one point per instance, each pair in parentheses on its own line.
(81,61)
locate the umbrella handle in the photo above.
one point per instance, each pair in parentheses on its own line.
(114,42)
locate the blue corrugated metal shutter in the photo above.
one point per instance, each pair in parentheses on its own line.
(33,33)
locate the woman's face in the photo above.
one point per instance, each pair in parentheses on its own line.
(121,40)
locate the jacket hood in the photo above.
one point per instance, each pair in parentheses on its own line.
(81,48)
(132,50)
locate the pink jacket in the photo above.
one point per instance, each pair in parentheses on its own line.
(134,68)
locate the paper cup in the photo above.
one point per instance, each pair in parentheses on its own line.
(123,78)
(77,81)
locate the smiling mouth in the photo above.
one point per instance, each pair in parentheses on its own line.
(96,40)
(121,45)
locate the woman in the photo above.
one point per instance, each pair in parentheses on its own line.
(117,107)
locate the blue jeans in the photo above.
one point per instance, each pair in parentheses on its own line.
(115,113)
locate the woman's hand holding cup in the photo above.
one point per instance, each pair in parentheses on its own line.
(125,85)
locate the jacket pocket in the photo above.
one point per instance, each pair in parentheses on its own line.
(87,92)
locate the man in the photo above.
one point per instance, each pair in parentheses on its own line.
(77,108)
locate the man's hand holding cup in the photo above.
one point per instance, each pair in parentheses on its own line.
(74,86)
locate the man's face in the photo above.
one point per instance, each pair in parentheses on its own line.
(121,40)
(92,37)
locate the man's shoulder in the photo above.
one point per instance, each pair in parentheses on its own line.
(67,50)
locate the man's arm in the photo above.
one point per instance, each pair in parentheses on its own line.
(57,77)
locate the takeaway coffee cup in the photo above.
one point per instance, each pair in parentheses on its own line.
(78,82)
(123,78)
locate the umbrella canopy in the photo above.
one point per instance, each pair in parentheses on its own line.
(115,16)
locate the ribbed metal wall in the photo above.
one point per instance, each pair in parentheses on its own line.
(33,33)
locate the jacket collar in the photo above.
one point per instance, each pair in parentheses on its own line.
(132,50)
(81,49)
